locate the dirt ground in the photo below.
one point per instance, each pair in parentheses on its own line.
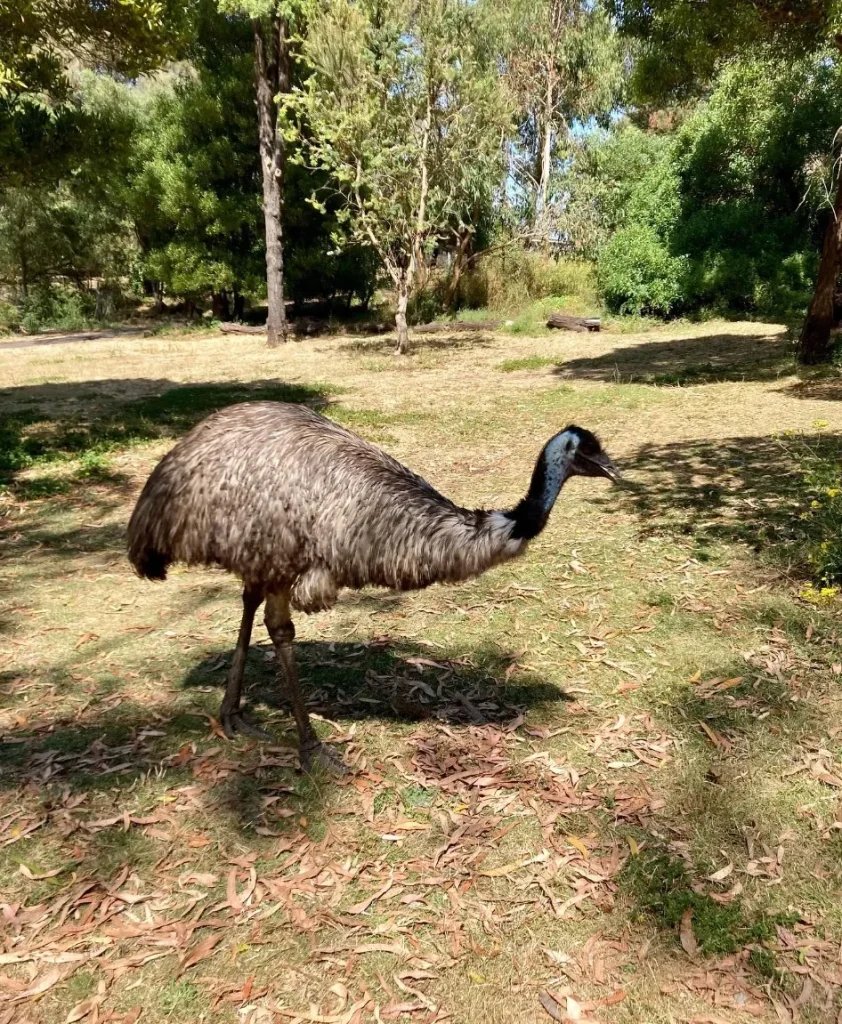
(601,783)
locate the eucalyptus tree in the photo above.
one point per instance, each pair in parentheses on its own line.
(564,66)
(405,116)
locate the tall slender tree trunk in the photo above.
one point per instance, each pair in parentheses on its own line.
(543,219)
(815,344)
(459,263)
(420,266)
(402,341)
(271,77)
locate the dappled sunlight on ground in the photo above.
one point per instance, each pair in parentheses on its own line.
(601,784)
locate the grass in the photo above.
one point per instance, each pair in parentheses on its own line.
(535,362)
(555,761)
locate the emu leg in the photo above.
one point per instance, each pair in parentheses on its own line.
(282,631)
(229,714)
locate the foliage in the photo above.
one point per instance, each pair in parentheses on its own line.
(56,308)
(39,40)
(726,216)
(563,66)
(61,218)
(682,44)
(820,515)
(194,195)
(399,94)
(511,277)
(604,172)
(638,275)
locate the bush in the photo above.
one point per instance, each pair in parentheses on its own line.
(56,309)
(513,277)
(637,274)
(820,516)
(9,317)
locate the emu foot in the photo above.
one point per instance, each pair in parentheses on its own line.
(233,724)
(320,753)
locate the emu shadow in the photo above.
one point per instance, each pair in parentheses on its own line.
(107,750)
(697,360)
(391,681)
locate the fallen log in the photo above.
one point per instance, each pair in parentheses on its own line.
(231,328)
(563,322)
(300,328)
(454,326)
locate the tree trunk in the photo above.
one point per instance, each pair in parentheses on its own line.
(402,341)
(815,344)
(220,306)
(239,305)
(271,77)
(459,263)
(546,156)
(419,268)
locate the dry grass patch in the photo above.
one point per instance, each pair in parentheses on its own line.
(602,783)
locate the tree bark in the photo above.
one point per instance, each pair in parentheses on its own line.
(459,262)
(220,306)
(271,77)
(402,341)
(546,154)
(815,343)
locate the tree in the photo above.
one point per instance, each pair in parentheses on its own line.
(563,64)
(683,44)
(194,186)
(404,115)
(39,39)
(62,217)
(722,213)
(273,24)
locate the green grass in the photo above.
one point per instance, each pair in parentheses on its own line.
(660,884)
(565,707)
(526,363)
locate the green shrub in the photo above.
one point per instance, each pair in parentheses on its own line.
(9,317)
(820,515)
(56,309)
(637,274)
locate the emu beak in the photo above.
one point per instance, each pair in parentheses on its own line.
(600,465)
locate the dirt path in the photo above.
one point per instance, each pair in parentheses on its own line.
(70,337)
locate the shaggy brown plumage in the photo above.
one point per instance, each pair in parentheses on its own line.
(299,507)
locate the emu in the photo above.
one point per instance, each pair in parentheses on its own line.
(298,507)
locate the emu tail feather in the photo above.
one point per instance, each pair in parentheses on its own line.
(144,543)
(149,563)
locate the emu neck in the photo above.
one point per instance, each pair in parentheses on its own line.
(530,515)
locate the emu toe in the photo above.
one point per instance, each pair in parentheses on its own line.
(234,724)
(321,753)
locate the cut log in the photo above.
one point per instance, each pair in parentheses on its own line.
(454,326)
(301,328)
(563,322)
(242,328)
